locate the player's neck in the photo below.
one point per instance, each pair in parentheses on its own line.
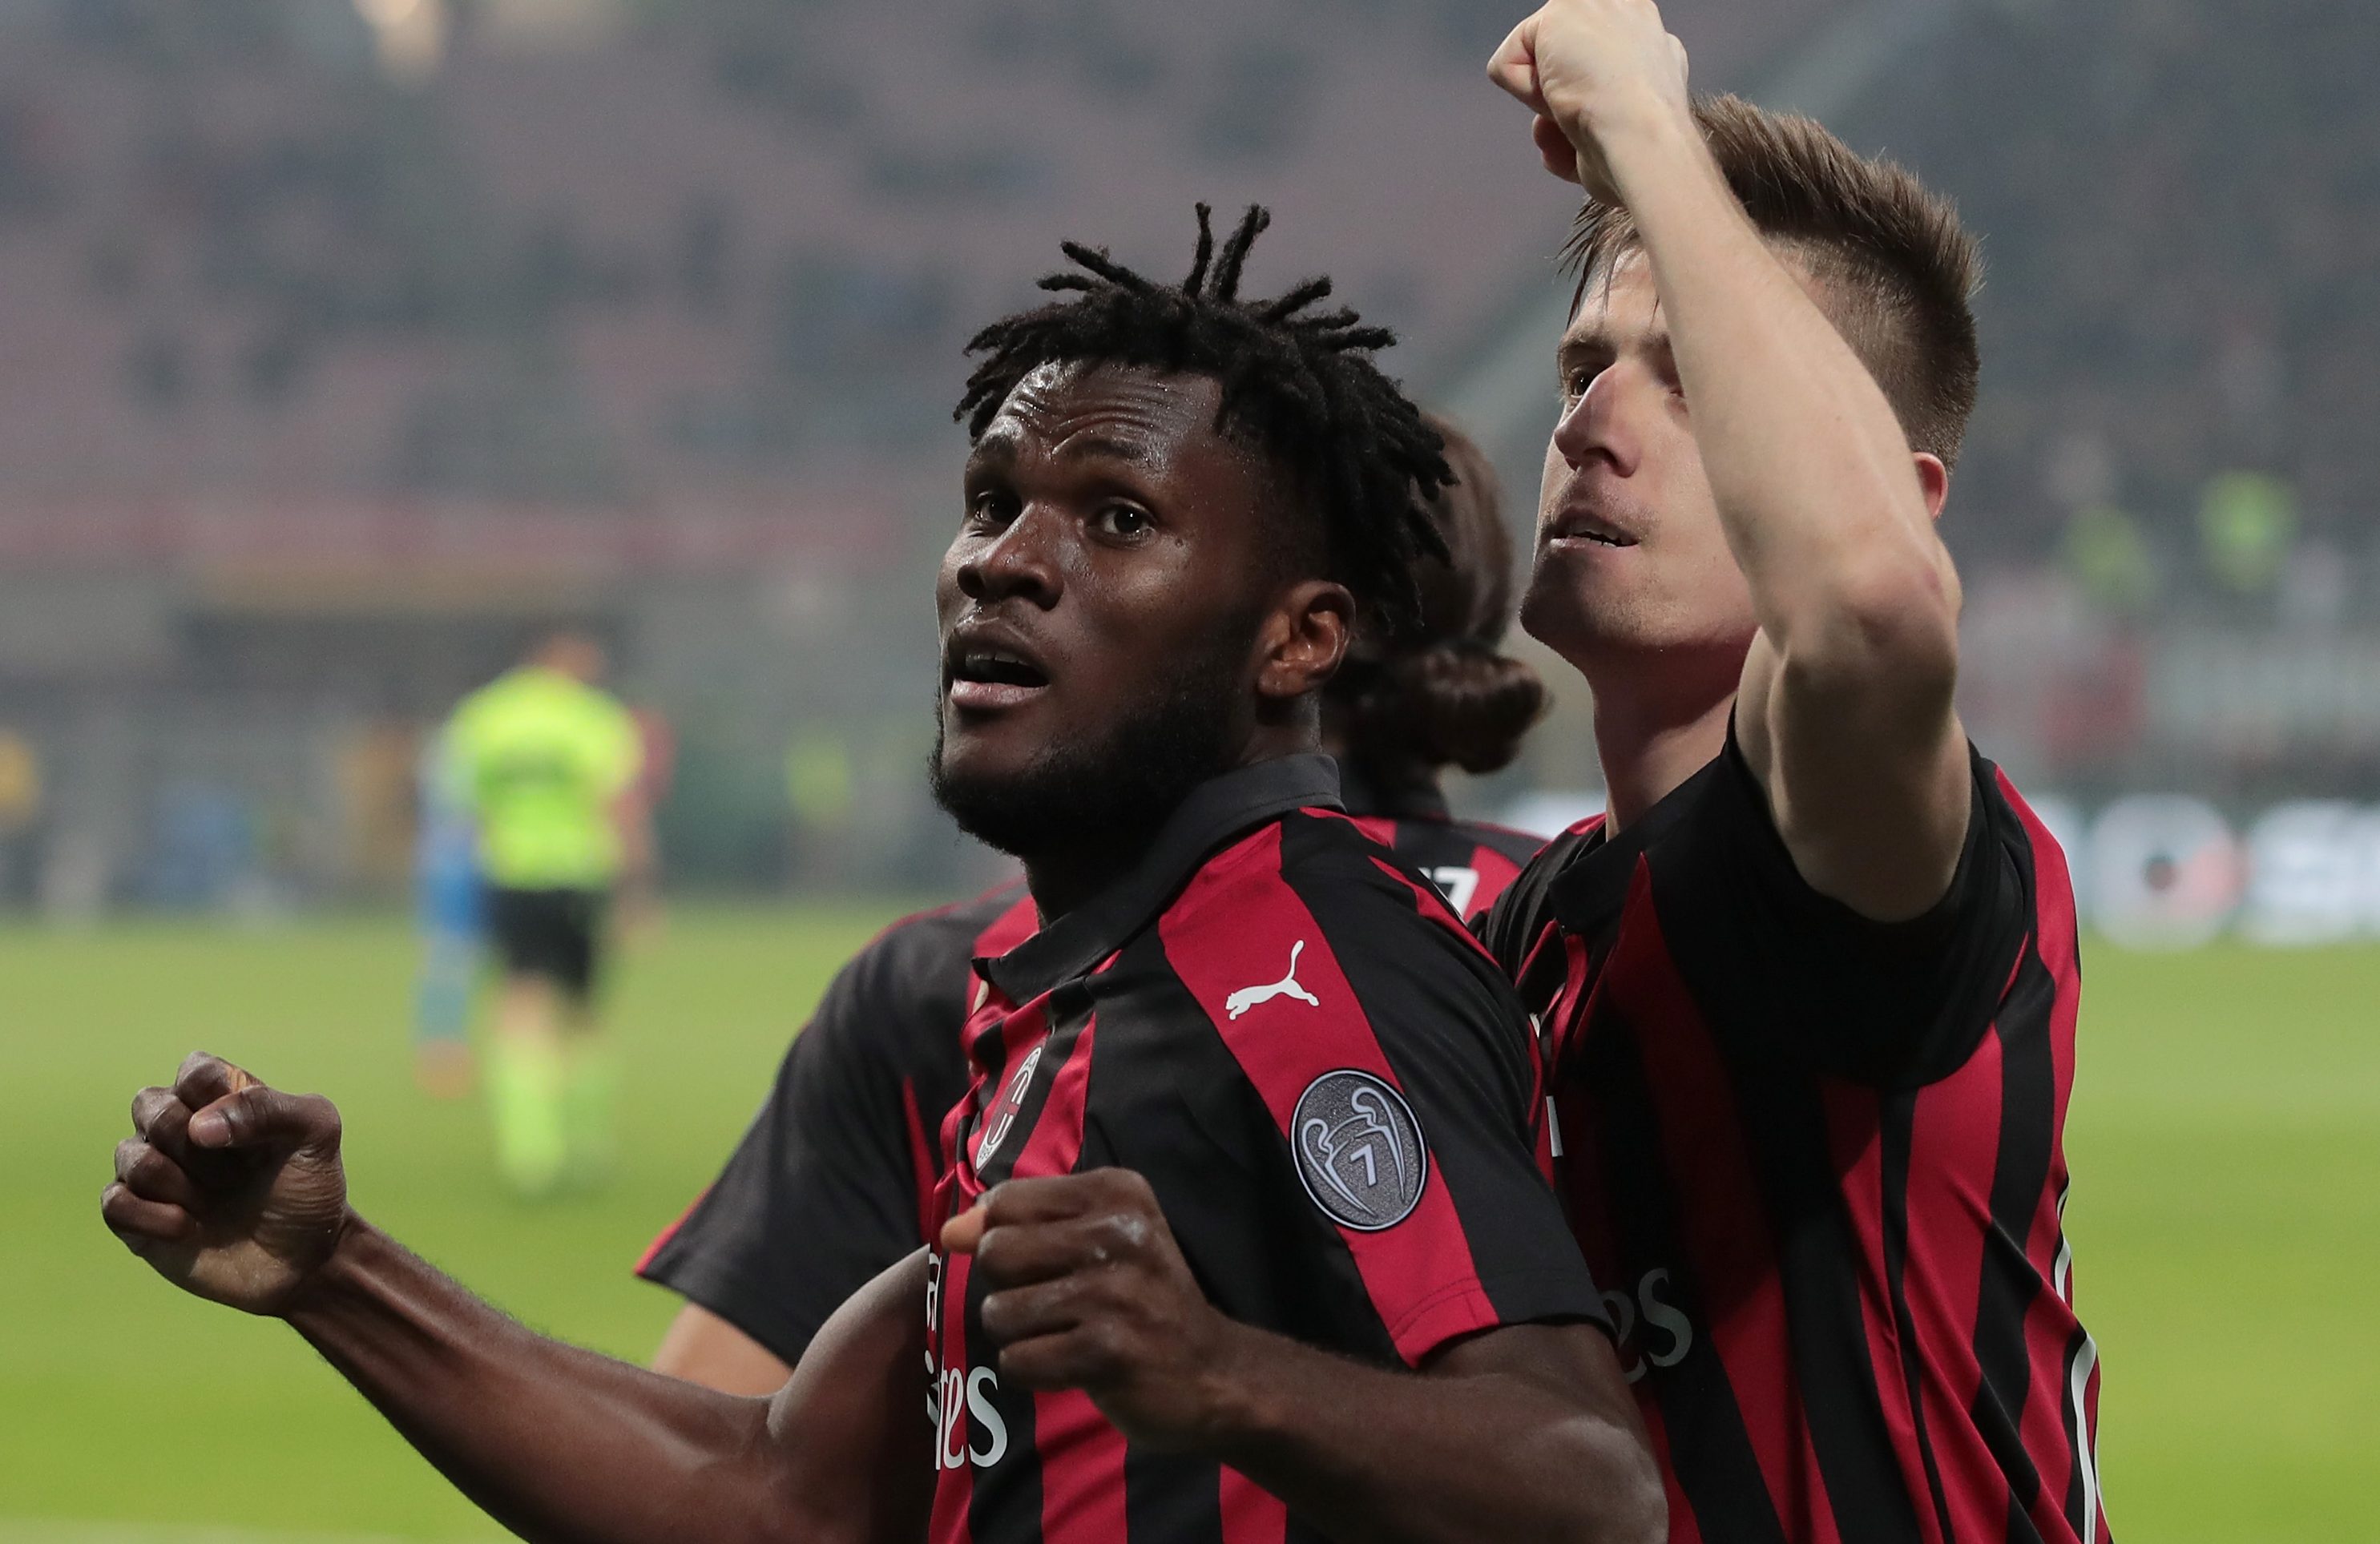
(1650,741)
(1063,877)
(1061,882)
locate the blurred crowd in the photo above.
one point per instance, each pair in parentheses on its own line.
(2182,210)
(349,344)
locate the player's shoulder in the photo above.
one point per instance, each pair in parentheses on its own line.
(1520,847)
(1371,903)
(939,935)
(476,707)
(1511,928)
(1311,894)
(908,986)
(1310,859)
(1327,847)
(2013,814)
(2035,877)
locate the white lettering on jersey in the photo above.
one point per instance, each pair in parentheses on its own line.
(954,1394)
(1458,885)
(958,1394)
(1655,1314)
(988,1416)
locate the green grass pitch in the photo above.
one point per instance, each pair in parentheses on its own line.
(2226,1220)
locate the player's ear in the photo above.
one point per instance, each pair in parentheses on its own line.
(1933,480)
(1303,640)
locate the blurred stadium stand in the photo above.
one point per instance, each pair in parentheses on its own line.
(343,346)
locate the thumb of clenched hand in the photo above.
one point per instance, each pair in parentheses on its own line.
(256,1115)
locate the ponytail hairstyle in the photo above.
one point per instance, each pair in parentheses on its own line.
(1437,691)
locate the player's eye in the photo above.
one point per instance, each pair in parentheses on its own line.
(1122,520)
(1576,382)
(990,508)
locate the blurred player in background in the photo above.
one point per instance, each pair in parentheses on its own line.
(450,914)
(834,1180)
(549,766)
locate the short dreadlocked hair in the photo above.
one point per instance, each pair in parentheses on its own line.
(1300,386)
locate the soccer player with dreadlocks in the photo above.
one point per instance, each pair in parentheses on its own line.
(1245,1229)
(833,1180)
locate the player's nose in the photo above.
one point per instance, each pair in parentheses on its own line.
(1019,563)
(1600,425)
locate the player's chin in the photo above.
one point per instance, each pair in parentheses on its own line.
(989,749)
(1564,599)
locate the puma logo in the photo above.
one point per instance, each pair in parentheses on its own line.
(1245,998)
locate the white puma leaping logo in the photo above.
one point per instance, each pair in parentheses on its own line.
(1245,998)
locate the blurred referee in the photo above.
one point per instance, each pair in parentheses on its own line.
(548,764)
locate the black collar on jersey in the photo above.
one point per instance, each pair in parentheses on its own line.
(1215,811)
(1587,895)
(1409,801)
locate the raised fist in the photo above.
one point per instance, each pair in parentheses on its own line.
(1591,68)
(229,1189)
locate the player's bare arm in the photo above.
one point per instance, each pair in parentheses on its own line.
(1526,1431)
(1844,710)
(235,1191)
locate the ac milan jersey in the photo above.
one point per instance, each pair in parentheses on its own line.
(1330,1089)
(1816,1161)
(831,1182)
(1470,861)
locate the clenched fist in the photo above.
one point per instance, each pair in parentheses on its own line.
(230,1189)
(1089,1292)
(1591,69)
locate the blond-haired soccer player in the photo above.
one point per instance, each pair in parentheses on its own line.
(1810,987)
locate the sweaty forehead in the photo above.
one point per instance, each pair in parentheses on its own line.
(1111,410)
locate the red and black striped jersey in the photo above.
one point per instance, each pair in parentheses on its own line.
(1331,1091)
(1470,861)
(830,1181)
(1817,1163)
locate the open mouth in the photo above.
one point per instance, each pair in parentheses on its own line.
(1584,530)
(986,676)
(998,668)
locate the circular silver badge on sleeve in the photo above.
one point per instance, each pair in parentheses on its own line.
(1359,1150)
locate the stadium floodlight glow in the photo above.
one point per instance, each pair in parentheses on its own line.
(388,15)
(410,35)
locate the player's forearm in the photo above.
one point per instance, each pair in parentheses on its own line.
(1372,1454)
(1810,468)
(554,1441)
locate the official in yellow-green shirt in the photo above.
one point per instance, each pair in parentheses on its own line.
(547,763)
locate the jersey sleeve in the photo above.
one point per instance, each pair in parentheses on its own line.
(823,1191)
(1402,1083)
(1890,1004)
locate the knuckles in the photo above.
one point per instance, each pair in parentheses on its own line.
(149,1105)
(143,1168)
(323,1115)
